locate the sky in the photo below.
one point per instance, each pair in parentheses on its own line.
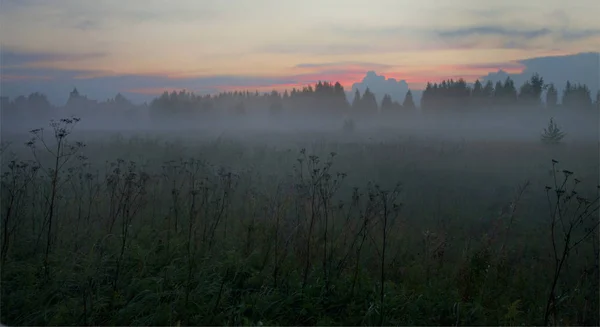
(147,46)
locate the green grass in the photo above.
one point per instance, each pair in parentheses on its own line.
(256,231)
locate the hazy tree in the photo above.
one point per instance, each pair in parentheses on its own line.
(577,96)
(461,93)
(525,93)
(551,96)
(386,104)
(537,85)
(73,99)
(356,101)
(488,92)
(477,89)
(428,96)
(509,91)
(531,91)
(340,101)
(498,93)
(505,93)
(567,94)
(120,100)
(477,95)
(320,88)
(329,97)
(38,101)
(368,102)
(338,89)
(447,94)
(408,101)
(276,106)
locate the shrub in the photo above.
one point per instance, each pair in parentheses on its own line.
(552,134)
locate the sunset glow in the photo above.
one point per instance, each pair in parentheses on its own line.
(206,46)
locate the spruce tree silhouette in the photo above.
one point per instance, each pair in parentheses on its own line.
(408,101)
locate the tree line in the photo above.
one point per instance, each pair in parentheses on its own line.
(322,98)
(327,97)
(457,94)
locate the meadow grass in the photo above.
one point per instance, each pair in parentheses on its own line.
(299,229)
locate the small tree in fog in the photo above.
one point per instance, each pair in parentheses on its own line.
(552,134)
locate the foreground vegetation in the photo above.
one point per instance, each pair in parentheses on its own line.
(404,231)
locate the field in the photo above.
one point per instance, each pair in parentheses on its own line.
(298,228)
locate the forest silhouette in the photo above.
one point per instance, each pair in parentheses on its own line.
(325,98)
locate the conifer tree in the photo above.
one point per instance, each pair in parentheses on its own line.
(408,101)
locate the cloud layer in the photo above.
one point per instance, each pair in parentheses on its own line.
(145,46)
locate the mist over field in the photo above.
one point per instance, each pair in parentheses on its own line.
(498,122)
